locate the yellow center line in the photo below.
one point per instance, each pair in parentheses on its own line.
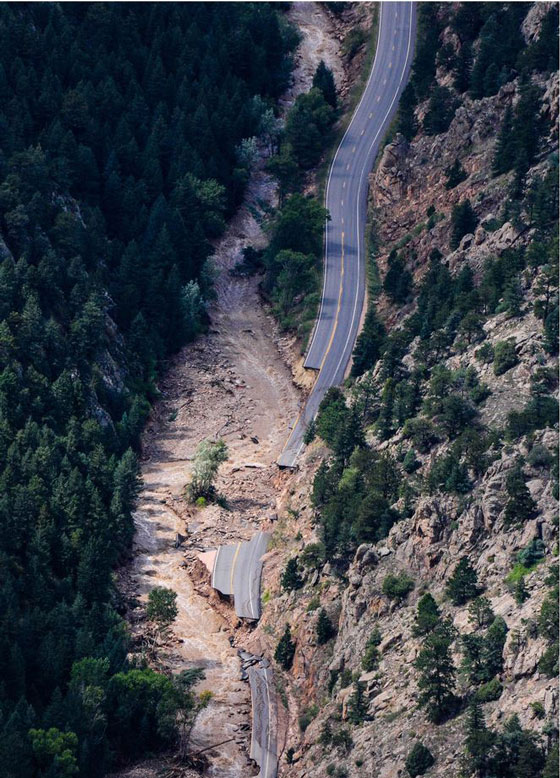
(300,414)
(233,566)
(339,303)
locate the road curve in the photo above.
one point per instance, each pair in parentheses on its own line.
(237,571)
(346,200)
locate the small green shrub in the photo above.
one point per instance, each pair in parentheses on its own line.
(505,356)
(353,41)
(419,760)
(314,603)
(538,709)
(410,463)
(489,691)
(307,717)
(485,354)
(540,457)
(342,739)
(370,659)
(548,663)
(397,587)
(532,554)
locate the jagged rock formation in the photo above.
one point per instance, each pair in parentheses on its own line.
(412,209)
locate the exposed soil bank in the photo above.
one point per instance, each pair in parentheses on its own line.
(234,383)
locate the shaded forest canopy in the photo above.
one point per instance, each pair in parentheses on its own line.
(119,131)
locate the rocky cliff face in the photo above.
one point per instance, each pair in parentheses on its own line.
(412,209)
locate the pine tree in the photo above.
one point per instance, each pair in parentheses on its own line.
(436,681)
(463,66)
(513,297)
(480,740)
(427,615)
(285,650)
(494,642)
(463,222)
(520,506)
(369,345)
(463,585)
(357,710)
(419,760)
(504,155)
(325,628)
(441,110)
(291,579)
(324,81)
(455,174)
(406,121)
(480,612)
(551,766)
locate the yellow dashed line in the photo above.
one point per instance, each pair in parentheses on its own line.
(339,303)
(233,565)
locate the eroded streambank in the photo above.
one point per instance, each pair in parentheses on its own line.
(235,383)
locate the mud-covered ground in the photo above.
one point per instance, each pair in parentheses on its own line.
(234,383)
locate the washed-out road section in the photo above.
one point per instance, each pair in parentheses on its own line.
(237,572)
(344,283)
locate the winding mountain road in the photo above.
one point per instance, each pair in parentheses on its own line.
(344,284)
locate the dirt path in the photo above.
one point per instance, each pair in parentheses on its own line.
(232,383)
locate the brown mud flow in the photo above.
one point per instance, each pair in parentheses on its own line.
(233,383)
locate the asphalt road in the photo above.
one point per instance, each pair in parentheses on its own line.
(344,282)
(263,734)
(237,571)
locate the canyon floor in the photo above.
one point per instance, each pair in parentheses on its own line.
(236,382)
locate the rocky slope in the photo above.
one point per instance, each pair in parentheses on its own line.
(412,209)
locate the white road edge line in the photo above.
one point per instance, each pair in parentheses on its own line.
(251,606)
(269,727)
(359,186)
(215,567)
(325,243)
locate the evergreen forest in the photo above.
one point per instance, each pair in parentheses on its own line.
(120,134)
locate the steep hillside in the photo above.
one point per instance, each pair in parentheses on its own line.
(421,591)
(121,130)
